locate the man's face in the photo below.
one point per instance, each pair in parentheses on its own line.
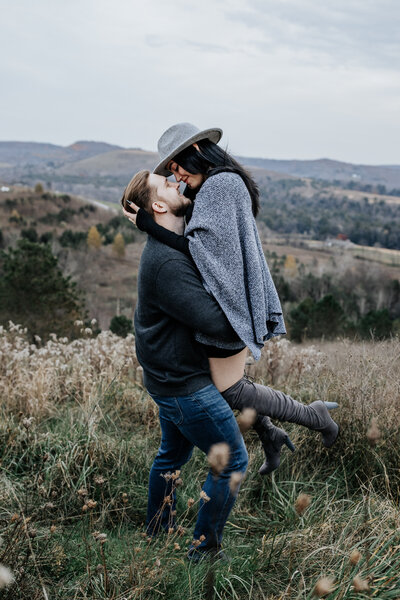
(168,192)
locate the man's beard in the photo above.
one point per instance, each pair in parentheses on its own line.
(179,211)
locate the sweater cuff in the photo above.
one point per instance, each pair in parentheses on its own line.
(142,219)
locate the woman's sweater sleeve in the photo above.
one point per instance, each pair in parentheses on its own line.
(145,222)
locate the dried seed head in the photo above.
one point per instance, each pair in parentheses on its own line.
(373,433)
(204,496)
(176,474)
(170,530)
(196,543)
(303,501)
(202,538)
(82,492)
(84,508)
(91,503)
(6,577)
(360,585)
(235,481)
(246,419)
(323,587)
(190,502)
(27,423)
(99,480)
(178,482)
(100,537)
(167,476)
(15,517)
(355,557)
(53,529)
(157,562)
(49,505)
(177,546)
(180,530)
(218,457)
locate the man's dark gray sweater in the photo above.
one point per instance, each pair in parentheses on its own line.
(172,304)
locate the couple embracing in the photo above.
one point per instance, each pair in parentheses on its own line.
(206,296)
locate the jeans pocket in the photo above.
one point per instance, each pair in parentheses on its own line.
(169,409)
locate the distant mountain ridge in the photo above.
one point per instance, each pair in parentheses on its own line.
(37,153)
(329,170)
(17,157)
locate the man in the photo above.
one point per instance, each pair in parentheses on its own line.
(172,303)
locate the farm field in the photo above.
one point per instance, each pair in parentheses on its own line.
(78,434)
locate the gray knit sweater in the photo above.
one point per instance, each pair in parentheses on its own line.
(226,248)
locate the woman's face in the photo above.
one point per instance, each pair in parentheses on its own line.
(192,180)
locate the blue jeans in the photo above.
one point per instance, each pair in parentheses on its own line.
(200,419)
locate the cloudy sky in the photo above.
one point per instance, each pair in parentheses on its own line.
(284,78)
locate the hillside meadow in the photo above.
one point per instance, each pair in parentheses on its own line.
(78,434)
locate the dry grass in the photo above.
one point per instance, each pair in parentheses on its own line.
(77,438)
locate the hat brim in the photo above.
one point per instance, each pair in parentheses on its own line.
(214,135)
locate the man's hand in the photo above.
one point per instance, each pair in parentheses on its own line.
(129,215)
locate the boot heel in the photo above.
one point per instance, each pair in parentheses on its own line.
(290,444)
(331,405)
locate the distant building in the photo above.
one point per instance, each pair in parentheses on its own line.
(4,188)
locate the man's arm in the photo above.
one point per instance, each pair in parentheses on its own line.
(181,295)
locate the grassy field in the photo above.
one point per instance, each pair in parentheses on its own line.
(78,435)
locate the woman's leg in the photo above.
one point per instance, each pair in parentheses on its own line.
(276,404)
(226,372)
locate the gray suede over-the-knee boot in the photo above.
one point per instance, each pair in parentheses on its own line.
(277,405)
(272,439)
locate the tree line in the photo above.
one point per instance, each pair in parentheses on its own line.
(321,216)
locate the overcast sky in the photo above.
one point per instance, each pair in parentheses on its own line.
(283,78)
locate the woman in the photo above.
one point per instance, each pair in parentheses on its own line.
(222,239)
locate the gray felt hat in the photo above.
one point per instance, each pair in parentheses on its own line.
(177,138)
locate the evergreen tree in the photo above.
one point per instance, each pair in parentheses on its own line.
(327,318)
(377,324)
(34,292)
(299,319)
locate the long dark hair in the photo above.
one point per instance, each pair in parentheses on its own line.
(211,160)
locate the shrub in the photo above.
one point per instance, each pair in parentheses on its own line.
(72,239)
(30,234)
(377,324)
(121,325)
